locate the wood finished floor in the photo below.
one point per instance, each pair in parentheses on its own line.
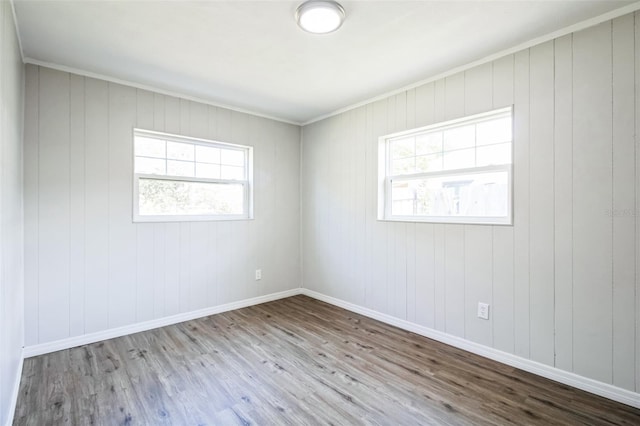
(295,361)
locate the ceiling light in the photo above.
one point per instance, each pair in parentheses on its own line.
(319,17)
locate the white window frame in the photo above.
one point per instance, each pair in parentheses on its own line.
(385,179)
(247,184)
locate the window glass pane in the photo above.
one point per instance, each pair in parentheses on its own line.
(403,198)
(232,172)
(494,131)
(404,166)
(402,148)
(459,137)
(180,168)
(211,171)
(232,157)
(166,197)
(460,159)
(150,166)
(148,147)
(206,154)
(474,195)
(494,154)
(429,163)
(429,143)
(180,151)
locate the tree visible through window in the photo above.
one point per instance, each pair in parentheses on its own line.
(458,171)
(178,178)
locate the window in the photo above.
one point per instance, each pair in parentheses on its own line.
(186,179)
(458,171)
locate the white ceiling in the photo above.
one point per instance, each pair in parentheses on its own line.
(251,55)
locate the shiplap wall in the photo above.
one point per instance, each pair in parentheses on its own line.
(562,281)
(88,267)
(11,214)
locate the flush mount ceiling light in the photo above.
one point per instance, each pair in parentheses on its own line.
(319,17)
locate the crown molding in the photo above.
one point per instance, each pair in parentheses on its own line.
(84,73)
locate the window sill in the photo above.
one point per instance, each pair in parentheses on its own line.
(172,219)
(442,221)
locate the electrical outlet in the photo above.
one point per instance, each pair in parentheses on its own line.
(483,310)
(258,274)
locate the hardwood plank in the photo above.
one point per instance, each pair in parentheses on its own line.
(293,361)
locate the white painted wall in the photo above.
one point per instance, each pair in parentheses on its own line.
(11,214)
(562,282)
(88,267)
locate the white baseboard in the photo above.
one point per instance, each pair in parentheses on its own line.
(85,339)
(15,391)
(593,386)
